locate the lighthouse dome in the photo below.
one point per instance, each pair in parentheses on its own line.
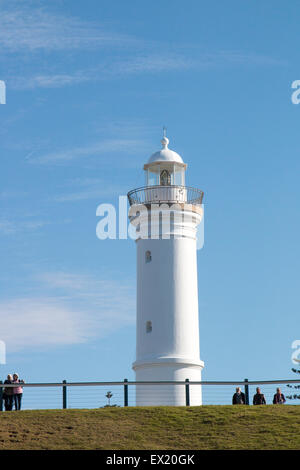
(165,154)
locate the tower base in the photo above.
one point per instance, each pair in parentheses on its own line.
(167,395)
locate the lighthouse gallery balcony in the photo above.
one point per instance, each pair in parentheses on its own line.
(170,194)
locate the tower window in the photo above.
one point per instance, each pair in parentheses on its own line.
(148,326)
(148,256)
(165,178)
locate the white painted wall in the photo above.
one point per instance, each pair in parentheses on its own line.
(167,296)
(158,395)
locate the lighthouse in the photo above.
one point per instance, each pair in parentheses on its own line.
(166,213)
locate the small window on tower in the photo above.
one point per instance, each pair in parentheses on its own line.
(148,256)
(165,178)
(148,326)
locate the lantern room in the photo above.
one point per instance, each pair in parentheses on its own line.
(165,167)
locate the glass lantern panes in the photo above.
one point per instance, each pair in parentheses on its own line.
(165,178)
(165,174)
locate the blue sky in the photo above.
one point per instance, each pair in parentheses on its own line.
(89,87)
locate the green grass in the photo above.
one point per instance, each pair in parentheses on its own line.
(206,427)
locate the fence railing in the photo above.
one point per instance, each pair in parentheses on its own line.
(95,394)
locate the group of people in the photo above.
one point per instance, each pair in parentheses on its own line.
(258,399)
(12,395)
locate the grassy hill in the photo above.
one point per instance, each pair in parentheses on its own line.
(206,427)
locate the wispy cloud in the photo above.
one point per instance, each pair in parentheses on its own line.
(98,291)
(243,58)
(12,194)
(152,63)
(115,299)
(114,68)
(42,31)
(51,81)
(79,189)
(90,190)
(41,322)
(102,148)
(76,309)
(11,227)
(137,64)
(33,29)
(7,227)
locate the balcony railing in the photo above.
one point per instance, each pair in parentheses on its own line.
(165,194)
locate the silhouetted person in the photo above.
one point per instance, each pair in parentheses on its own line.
(259,398)
(239,397)
(279,398)
(8,394)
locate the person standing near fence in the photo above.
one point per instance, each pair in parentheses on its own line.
(279,398)
(17,391)
(239,397)
(8,394)
(259,398)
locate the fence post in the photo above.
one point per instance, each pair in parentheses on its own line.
(125,392)
(247,391)
(64,395)
(187,392)
(1,396)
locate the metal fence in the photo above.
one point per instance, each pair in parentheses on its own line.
(75,395)
(165,194)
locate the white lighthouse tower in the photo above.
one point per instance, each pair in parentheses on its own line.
(166,214)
